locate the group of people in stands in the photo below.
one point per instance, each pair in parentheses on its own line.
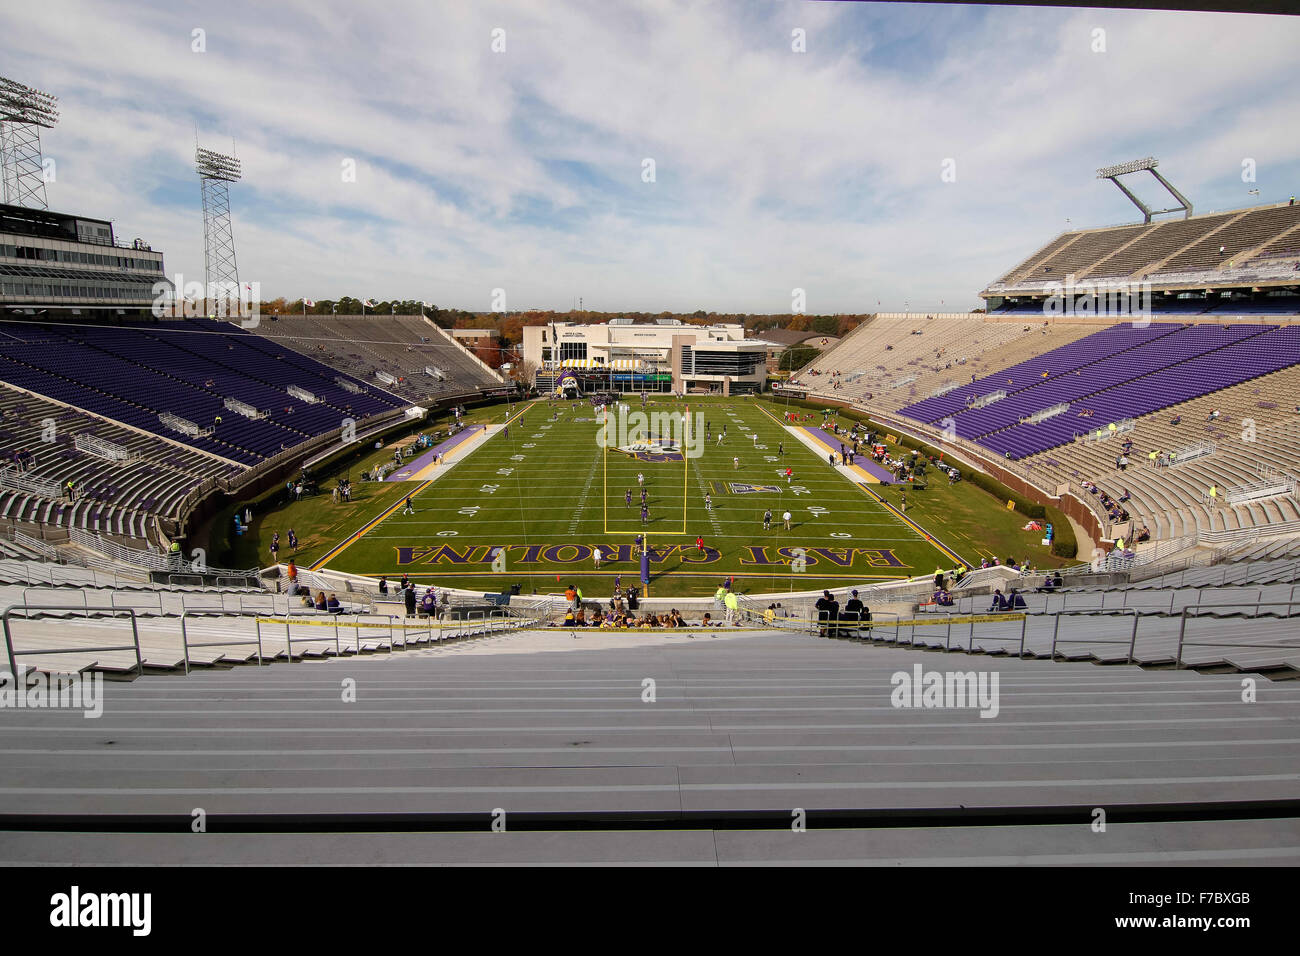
(421,605)
(1114,509)
(1024,567)
(24,458)
(1013,600)
(625,618)
(942,595)
(832,620)
(322,603)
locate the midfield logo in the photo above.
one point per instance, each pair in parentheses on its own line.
(745,488)
(672,435)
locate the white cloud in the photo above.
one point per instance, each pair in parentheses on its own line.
(522,169)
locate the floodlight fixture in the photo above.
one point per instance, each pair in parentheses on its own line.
(1148,165)
(1123,169)
(214,165)
(23,104)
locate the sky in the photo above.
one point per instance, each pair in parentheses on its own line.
(905,157)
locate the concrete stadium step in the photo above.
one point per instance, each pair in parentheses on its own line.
(1218,843)
(762,722)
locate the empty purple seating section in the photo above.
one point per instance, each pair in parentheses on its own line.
(1248,358)
(1065,360)
(132,373)
(1180,346)
(1174,364)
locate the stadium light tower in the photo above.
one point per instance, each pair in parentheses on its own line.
(23,112)
(216,172)
(1136,166)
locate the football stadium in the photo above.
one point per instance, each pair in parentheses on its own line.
(1015,585)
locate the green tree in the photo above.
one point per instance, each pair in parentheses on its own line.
(796,357)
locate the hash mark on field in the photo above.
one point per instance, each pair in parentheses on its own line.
(713,515)
(582,498)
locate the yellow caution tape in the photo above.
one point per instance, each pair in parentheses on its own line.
(344,622)
(961,619)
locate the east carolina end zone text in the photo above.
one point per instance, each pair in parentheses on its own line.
(615,553)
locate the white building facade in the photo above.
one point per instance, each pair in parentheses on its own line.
(666,355)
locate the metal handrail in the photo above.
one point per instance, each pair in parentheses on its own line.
(114,612)
(1182,629)
(1056,629)
(232,642)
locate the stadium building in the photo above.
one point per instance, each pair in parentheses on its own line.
(665,355)
(72,265)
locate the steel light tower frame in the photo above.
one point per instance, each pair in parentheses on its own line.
(23,113)
(220,271)
(1136,166)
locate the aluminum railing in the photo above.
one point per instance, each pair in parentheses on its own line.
(102,648)
(1114,601)
(1056,632)
(1194,610)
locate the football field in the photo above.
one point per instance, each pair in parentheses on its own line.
(531,502)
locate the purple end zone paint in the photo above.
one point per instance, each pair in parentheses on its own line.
(862,461)
(427,458)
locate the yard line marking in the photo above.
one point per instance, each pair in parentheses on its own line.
(356,536)
(582,498)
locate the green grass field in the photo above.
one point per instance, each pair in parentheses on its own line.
(549,493)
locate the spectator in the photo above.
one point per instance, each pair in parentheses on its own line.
(383,585)
(321,604)
(852,615)
(333,605)
(825,604)
(408,594)
(999,601)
